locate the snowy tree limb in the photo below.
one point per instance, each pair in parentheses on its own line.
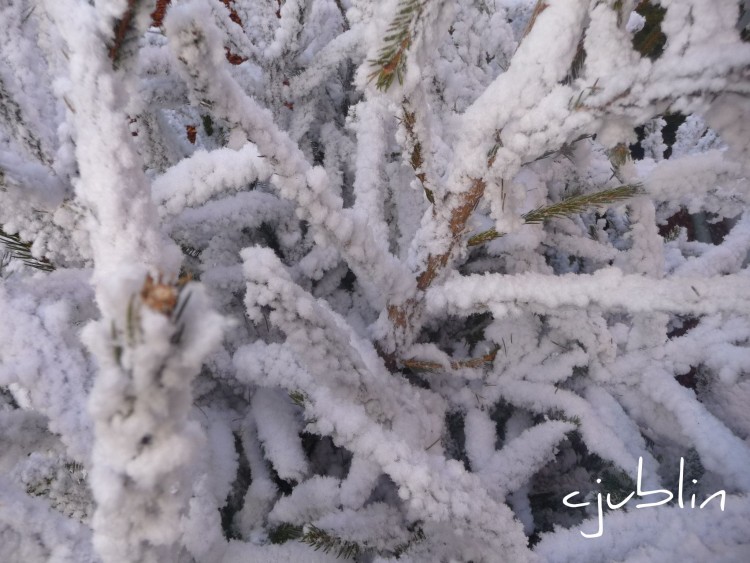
(609,288)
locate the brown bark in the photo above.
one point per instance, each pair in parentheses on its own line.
(405,318)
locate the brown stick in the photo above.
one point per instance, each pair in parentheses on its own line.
(422,365)
(405,317)
(467,203)
(121,30)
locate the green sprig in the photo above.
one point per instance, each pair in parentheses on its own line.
(580,203)
(565,208)
(285,532)
(391,61)
(320,539)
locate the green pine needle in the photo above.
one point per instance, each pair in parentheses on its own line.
(284,533)
(580,203)
(567,207)
(21,250)
(320,539)
(391,61)
(484,236)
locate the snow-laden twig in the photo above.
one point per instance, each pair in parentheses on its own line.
(506,470)
(600,438)
(194,180)
(325,62)
(58,374)
(608,288)
(147,344)
(194,41)
(333,397)
(328,347)
(438,241)
(721,451)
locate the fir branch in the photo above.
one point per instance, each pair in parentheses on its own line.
(284,533)
(565,208)
(580,203)
(21,250)
(484,236)
(391,61)
(320,539)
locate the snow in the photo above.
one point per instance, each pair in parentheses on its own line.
(280,442)
(608,288)
(668,531)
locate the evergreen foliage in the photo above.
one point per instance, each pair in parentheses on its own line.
(19,250)
(565,208)
(391,59)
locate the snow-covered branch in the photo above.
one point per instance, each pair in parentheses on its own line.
(608,288)
(194,41)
